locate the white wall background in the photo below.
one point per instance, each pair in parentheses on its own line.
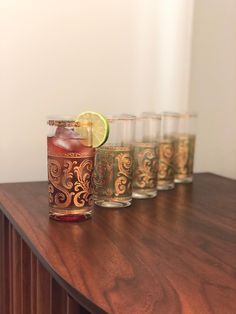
(60,57)
(213,85)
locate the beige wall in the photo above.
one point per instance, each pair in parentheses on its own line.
(60,57)
(213,85)
(66,57)
(63,58)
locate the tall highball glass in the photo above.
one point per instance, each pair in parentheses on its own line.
(185,147)
(166,174)
(114,164)
(146,155)
(70,166)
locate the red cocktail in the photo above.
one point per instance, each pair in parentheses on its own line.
(70,167)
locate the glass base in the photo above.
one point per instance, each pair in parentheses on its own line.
(113,204)
(142,193)
(70,214)
(164,186)
(188,179)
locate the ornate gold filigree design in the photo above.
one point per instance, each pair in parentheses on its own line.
(184,156)
(70,182)
(74,155)
(66,179)
(103,171)
(120,185)
(145,167)
(166,159)
(123,181)
(83,183)
(61,196)
(50,193)
(114,148)
(113,172)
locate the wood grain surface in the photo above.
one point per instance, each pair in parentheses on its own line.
(172,254)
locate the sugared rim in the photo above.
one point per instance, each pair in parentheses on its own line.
(69,123)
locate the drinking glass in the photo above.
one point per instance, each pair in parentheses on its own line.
(185,146)
(70,166)
(146,155)
(166,174)
(114,164)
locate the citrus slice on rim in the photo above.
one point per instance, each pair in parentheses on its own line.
(100,126)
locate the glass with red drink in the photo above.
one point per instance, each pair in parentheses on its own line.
(70,167)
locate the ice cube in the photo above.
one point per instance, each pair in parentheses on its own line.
(54,147)
(67,139)
(66,133)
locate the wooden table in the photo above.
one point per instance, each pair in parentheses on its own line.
(172,254)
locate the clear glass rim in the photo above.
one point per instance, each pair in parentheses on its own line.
(179,115)
(121,117)
(168,114)
(187,115)
(151,115)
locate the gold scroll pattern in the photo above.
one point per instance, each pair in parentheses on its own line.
(184,156)
(166,160)
(113,173)
(145,166)
(70,182)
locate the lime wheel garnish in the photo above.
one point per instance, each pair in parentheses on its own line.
(100,127)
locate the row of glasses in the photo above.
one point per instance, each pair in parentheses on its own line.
(141,156)
(126,165)
(176,149)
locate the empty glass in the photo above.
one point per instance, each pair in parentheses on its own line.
(114,164)
(166,172)
(146,155)
(185,147)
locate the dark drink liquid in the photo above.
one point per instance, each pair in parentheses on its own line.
(70,167)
